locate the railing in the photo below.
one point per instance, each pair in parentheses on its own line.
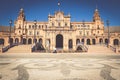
(33,48)
(5,48)
(113,48)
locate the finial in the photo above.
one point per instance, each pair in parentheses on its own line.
(49,14)
(21,9)
(68,14)
(96,6)
(59,5)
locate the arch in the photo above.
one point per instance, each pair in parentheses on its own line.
(70,44)
(100,40)
(88,41)
(59,41)
(77,41)
(116,42)
(48,43)
(93,41)
(40,41)
(11,41)
(24,41)
(29,41)
(16,40)
(83,40)
(106,41)
(34,40)
(2,41)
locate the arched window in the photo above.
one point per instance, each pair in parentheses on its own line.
(70,44)
(116,42)
(59,24)
(65,24)
(29,26)
(77,41)
(52,24)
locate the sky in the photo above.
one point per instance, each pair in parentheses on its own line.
(79,10)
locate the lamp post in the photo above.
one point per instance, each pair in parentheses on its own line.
(46,44)
(35,24)
(107,22)
(10,23)
(83,31)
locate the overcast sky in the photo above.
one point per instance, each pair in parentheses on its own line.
(79,9)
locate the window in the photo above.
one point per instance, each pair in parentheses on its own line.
(87,32)
(78,25)
(39,26)
(19,26)
(80,32)
(98,32)
(98,27)
(42,26)
(46,26)
(52,24)
(19,31)
(30,33)
(71,27)
(59,24)
(37,33)
(33,26)
(65,24)
(29,26)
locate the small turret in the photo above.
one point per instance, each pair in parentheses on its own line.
(96,15)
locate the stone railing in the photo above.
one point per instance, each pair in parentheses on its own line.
(117,50)
(5,48)
(113,48)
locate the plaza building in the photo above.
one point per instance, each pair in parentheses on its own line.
(60,32)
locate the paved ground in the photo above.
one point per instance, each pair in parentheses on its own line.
(49,66)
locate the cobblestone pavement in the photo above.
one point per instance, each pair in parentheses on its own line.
(59,67)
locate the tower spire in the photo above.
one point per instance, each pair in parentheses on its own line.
(96,15)
(21,14)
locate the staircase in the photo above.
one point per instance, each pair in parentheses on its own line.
(99,49)
(20,49)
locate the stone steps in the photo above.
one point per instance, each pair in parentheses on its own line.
(99,49)
(20,49)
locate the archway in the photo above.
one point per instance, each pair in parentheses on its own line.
(70,44)
(1,41)
(100,40)
(88,41)
(29,41)
(34,40)
(17,40)
(40,41)
(11,40)
(116,42)
(106,41)
(83,41)
(77,41)
(93,41)
(59,41)
(24,41)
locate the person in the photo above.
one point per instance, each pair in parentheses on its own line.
(55,51)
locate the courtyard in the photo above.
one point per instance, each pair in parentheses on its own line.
(59,66)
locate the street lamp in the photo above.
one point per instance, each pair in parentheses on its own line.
(46,44)
(10,23)
(35,24)
(83,23)
(107,22)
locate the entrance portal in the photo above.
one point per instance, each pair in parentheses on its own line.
(59,41)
